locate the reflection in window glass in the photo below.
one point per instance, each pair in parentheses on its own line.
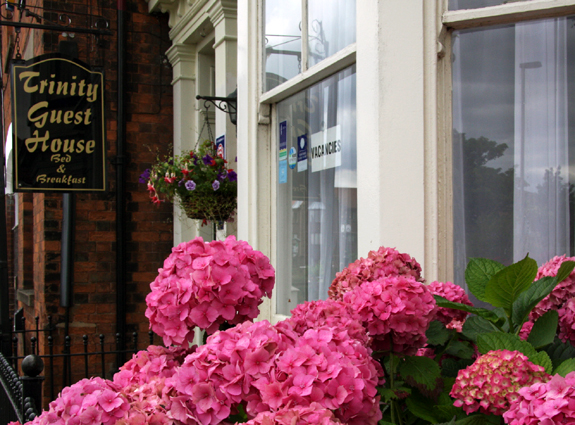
(282,41)
(317,189)
(331,27)
(476,4)
(514,142)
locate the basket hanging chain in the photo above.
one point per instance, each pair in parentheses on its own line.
(205,124)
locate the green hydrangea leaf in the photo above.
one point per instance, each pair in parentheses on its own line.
(530,298)
(461,349)
(544,330)
(476,325)
(421,407)
(437,333)
(565,367)
(476,419)
(565,270)
(483,312)
(542,359)
(478,272)
(506,285)
(450,367)
(503,341)
(422,370)
(560,351)
(386,394)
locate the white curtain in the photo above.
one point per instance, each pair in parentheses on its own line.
(541,203)
(459,237)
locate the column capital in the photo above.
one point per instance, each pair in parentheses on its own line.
(169,6)
(223,9)
(182,57)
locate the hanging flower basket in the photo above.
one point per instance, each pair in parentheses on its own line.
(210,207)
(198,180)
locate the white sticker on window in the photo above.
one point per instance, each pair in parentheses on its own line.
(325,149)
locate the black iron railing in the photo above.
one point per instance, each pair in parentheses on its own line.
(21,396)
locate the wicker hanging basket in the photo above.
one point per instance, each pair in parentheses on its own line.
(213,207)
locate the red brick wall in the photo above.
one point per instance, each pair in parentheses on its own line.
(148,228)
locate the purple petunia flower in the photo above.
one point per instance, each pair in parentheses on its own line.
(216,185)
(190,185)
(145,176)
(181,182)
(232,176)
(207,160)
(222,174)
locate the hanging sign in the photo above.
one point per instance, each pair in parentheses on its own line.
(221,146)
(58,126)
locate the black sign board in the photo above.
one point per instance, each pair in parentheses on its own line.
(58,126)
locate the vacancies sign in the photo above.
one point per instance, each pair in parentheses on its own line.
(58,116)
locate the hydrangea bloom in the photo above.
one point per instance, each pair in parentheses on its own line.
(381,263)
(544,403)
(492,382)
(89,401)
(156,362)
(314,414)
(206,284)
(328,367)
(145,383)
(562,292)
(567,322)
(526,330)
(396,311)
(451,318)
(220,374)
(330,313)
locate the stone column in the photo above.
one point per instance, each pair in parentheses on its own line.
(223,15)
(183,60)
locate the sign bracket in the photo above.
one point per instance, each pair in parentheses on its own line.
(98,24)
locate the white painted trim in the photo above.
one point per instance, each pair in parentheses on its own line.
(313,75)
(508,13)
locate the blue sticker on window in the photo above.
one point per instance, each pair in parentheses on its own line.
(283,172)
(292,158)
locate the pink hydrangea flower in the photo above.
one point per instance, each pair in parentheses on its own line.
(567,322)
(145,383)
(451,318)
(492,382)
(396,311)
(562,292)
(214,380)
(378,264)
(89,401)
(547,403)
(206,284)
(328,367)
(314,414)
(526,330)
(330,313)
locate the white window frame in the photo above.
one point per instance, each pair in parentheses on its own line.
(509,13)
(403,73)
(258,213)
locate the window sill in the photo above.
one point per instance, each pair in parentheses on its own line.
(327,67)
(507,13)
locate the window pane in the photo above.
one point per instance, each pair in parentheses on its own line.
(514,142)
(331,27)
(476,4)
(282,41)
(317,189)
